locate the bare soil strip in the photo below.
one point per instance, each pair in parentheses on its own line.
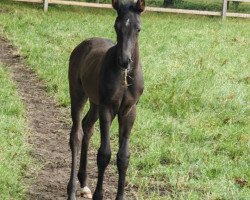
(48,134)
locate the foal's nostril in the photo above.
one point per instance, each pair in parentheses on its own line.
(129,60)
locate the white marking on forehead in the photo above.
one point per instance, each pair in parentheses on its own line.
(127,22)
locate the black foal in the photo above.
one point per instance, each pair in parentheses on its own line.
(110,76)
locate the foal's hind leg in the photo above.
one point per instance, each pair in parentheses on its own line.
(87,127)
(78,99)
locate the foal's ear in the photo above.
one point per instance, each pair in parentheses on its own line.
(140,5)
(115,4)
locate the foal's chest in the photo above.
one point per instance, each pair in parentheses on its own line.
(125,94)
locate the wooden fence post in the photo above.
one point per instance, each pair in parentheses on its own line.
(46,5)
(224,10)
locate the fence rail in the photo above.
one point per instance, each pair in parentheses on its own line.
(224,12)
(225,6)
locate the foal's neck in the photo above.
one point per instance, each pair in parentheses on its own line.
(135,56)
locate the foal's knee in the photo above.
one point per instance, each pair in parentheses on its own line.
(122,161)
(103,158)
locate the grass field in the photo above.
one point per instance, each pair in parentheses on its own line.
(14,157)
(191,138)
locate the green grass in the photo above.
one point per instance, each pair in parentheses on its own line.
(14,157)
(191,138)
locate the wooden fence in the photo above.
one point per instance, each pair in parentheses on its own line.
(225,6)
(224,12)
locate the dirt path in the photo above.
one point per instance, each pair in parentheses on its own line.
(49,134)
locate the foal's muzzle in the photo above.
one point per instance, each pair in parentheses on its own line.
(124,62)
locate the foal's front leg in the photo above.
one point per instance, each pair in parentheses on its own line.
(106,116)
(125,125)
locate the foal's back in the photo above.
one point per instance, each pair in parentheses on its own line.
(85,66)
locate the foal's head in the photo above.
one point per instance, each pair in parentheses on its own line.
(127,27)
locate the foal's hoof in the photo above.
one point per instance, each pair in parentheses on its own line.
(71,197)
(86,193)
(120,198)
(97,196)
